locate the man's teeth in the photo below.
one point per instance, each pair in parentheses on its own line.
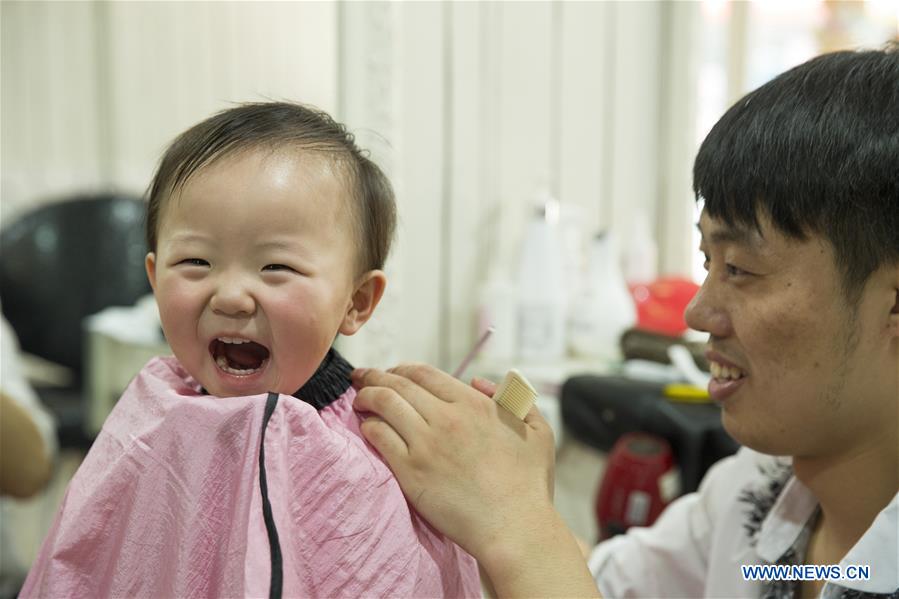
(720,371)
(233,340)
(222,362)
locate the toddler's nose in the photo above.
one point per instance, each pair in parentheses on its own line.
(232,299)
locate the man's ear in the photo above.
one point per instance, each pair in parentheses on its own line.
(894,315)
(369,290)
(150,265)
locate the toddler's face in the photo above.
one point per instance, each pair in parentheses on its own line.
(253,270)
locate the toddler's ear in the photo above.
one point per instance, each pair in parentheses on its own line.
(369,290)
(150,265)
(894,312)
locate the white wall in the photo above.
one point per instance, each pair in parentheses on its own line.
(481,103)
(92,92)
(49,102)
(468,106)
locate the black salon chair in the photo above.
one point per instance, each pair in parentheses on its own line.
(60,263)
(598,410)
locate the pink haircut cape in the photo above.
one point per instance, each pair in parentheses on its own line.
(168,503)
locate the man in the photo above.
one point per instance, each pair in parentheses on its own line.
(800,230)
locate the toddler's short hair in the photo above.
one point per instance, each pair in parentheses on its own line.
(278,125)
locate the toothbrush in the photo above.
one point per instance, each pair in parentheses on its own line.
(474,351)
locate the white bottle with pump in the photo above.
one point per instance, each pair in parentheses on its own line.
(542,298)
(640,253)
(605,309)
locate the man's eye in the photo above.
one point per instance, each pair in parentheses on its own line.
(734,271)
(194,262)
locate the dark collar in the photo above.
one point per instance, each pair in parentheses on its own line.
(328,383)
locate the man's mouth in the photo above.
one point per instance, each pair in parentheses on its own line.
(723,372)
(238,356)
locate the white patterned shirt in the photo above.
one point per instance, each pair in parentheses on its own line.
(749,510)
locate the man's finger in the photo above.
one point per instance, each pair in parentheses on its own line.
(388,405)
(535,420)
(420,400)
(486,387)
(385,439)
(438,383)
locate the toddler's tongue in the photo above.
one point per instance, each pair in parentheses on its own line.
(246,356)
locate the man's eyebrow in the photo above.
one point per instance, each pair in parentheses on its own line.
(736,235)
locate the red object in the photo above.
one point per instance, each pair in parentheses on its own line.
(661,304)
(632,490)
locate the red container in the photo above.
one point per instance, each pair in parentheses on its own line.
(638,483)
(661,304)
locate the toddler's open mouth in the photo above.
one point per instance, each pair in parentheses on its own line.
(237,356)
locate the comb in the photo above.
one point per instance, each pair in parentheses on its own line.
(516,394)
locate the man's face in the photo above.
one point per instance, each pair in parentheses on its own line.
(253,271)
(796,369)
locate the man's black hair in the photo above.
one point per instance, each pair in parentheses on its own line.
(817,149)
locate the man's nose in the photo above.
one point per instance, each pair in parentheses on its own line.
(232,297)
(708,311)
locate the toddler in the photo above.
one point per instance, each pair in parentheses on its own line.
(236,467)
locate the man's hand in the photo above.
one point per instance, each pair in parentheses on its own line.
(468,466)
(477,473)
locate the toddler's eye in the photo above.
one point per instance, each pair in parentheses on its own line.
(194,262)
(277,267)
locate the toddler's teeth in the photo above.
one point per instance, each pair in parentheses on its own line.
(222,362)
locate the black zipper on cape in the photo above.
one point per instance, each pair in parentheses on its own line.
(277,577)
(330,381)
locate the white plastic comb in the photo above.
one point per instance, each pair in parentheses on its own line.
(516,394)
